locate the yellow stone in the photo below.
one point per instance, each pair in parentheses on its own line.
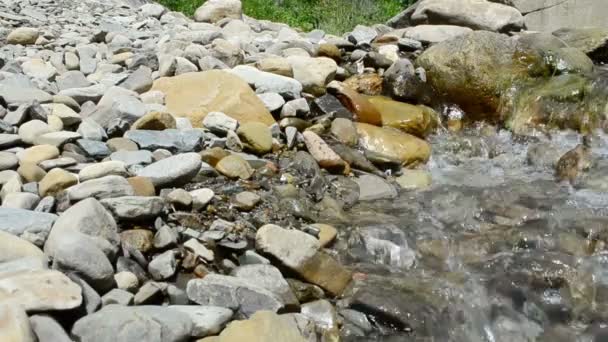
(416,120)
(393,144)
(194,95)
(56,181)
(263,326)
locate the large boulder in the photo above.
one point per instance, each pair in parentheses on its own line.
(549,15)
(476,14)
(473,70)
(194,95)
(591,40)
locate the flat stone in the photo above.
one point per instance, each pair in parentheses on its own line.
(84,94)
(9,140)
(8,161)
(36,154)
(199,250)
(38,69)
(117,296)
(100,188)
(232,293)
(129,158)
(57,138)
(246,200)
(374,188)
(19,222)
(134,207)
(62,162)
(23,95)
(272,101)
(93,148)
(29,131)
(72,79)
(267,277)
(39,290)
(142,186)
(175,170)
(98,170)
(126,324)
(266,82)
(206,320)
(170,139)
(414,179)
(201,197)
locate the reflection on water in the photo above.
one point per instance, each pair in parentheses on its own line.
(495,250)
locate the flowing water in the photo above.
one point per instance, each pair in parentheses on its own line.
(496,250)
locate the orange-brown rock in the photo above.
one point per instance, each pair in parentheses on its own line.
(358,104)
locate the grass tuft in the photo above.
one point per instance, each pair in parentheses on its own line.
(332,16)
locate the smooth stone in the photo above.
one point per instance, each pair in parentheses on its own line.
(256,137)
(48,329)
(57,138)
(39,290)
(321,312)
(393,144)
(344,131)
(9,140)
(129,158)
(433,34)
(67,115)
(19,222)
(266,82)
(62,162)
(213,11)
(134,207)
(31,172)
(126,281)
(232,293)
(313,73)
(165,237)
(373,188)
(121,144)
(206,320)
(323,154)
(199,250)
(93,148)
(100,188)
(118,297)
(142,186)
(36,154)
(295,108)
(180,197)
(414,179)
(276,65)
(327,233)
(72,79)
(16,95)
(56,181)
(8,161)
(267,277)
(246,200)
(115,323)
(272,101)
(139,81)
(194,95)
(20,200)
(234,166)
(170,139)
(23,36)
(29,131)
(175,170)
(15,324)
(163,266)
(201,197)
(98,170)
(38,69)
(219,123)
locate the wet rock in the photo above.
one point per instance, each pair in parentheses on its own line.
(392,144)
(176,170)
(117,323)
(356,103)
(299,252)
(345,131)
(414,179)
(234,166)
(374,188)
(322,313)
(134,207)
(232,293)
(591,41)
(183,97)
(39,290)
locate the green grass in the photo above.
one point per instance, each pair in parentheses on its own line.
(332,16)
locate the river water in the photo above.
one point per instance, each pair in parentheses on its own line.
(495,250)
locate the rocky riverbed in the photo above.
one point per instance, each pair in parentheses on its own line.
(226,179)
